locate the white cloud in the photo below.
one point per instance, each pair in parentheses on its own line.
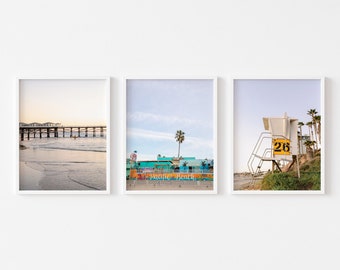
(196,143)
(156,118)
(144,141)
(154,135)
(190,142)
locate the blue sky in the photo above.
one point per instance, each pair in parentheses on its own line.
(156,109)
(255,99)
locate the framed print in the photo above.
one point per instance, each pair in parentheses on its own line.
(171,136)
(63,129)
(278,136)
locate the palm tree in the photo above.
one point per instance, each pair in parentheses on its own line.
(317,119)
(203,165)
(310,124)
(309,143)
(309,150)
(185,163)
(313,113)
(179,138)
(300,124)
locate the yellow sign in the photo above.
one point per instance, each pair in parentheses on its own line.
(281,147)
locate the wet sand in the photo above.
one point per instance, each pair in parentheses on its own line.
(168,185)
(32,177)
(45,169)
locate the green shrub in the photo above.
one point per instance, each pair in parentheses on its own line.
(279,181)
(309,177)
(290,181)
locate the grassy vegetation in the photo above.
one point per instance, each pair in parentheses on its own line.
(309,177)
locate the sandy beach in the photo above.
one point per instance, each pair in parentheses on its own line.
(32,177)
(168,185)
(245,181)
(61,169)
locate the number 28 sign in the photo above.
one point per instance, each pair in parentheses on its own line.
(281,147)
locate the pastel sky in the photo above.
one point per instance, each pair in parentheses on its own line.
(156,109)
(69,102)
(255,99)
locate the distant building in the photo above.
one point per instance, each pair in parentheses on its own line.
(196,165)
(50,124)
(170,165)
(36,124)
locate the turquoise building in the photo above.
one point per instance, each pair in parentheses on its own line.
(171,164)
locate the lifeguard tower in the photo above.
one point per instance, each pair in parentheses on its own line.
(278,144)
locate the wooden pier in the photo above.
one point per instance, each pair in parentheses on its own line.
(56,131)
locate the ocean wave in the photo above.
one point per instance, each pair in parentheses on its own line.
(70,144)
(73,149)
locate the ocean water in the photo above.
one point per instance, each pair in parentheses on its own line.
(63,164)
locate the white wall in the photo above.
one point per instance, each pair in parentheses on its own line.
(169,38)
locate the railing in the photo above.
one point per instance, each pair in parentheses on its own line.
(73,130)
(254,155)
(266,155)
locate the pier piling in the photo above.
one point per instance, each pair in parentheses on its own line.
(54,130)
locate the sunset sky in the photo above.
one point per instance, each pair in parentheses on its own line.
(69,102)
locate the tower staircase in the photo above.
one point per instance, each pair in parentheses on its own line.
(263,152)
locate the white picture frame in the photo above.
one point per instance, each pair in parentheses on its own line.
(63,158)
(249,104)
(169,84)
